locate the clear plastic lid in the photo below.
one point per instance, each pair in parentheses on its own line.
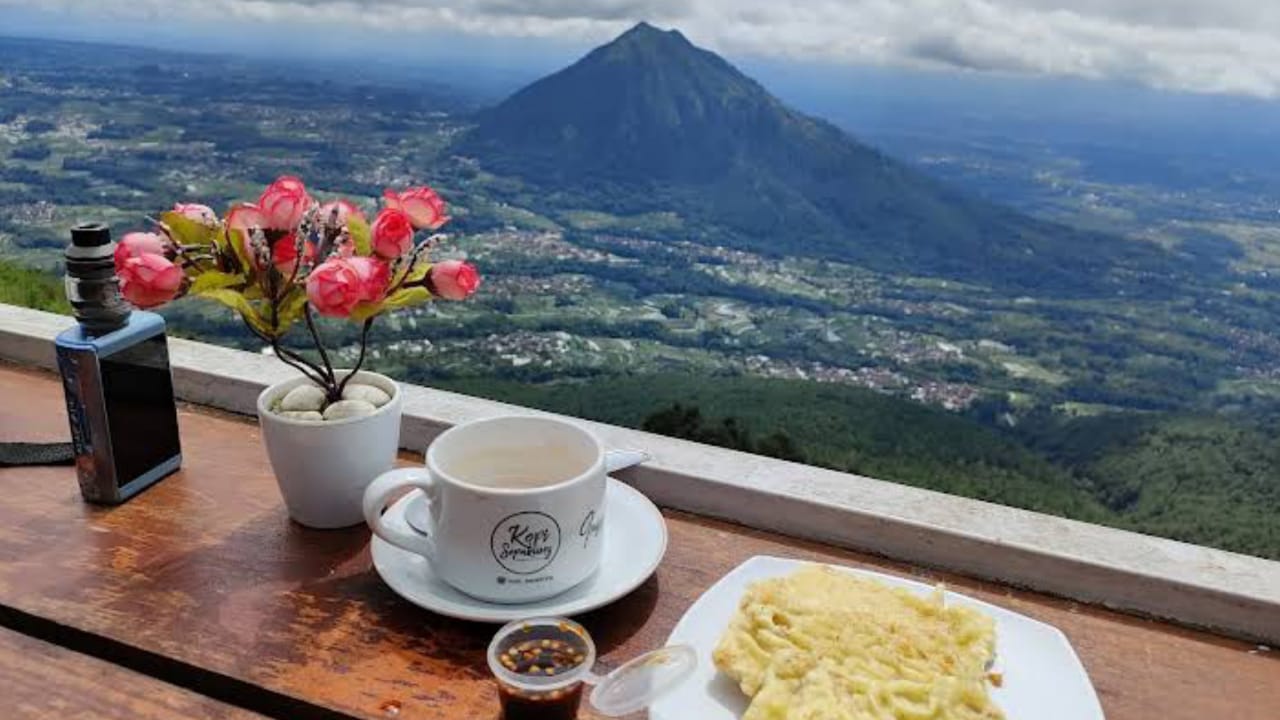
(633,687)
(642,681)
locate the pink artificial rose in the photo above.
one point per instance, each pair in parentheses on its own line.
(392,233)
(135,244)
(339,284)
(149,280)
(375,275)
(454,279)
(289,182)
(244,217)
(283,203)
(196,212)
(334,288)
(339,211)
(284,254)
(423,206)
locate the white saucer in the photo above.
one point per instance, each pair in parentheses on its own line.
(1043,677)
(635,539)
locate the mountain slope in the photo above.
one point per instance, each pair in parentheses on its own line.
(841,427)
(651,123)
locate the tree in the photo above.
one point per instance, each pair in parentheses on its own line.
(781,446)
(687,422)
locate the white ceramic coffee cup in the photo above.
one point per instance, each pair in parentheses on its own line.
(516,506)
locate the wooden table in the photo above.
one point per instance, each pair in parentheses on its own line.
(41,680)
(203,582)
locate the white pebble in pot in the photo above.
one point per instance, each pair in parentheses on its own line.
(312,415)
(349,409)
(303,398)
(370,394)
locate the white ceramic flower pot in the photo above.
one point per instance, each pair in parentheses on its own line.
(323,468)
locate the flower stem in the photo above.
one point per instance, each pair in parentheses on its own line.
(333,386)
(302,366)
(364,344)
(294,360)
(326,380)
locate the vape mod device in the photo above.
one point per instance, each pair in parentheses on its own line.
(115,374)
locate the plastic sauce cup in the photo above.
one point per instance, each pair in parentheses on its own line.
(544,665)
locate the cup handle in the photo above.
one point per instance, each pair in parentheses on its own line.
(615,460)
(379,493)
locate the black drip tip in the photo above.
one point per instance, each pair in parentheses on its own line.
(90,235)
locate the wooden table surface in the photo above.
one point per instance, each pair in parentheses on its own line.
(202,581)
(40,681)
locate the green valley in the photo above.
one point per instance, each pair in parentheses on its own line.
(1106,378)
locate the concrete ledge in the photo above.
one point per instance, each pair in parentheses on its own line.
(1226,592)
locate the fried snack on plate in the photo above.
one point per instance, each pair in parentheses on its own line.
(821,644)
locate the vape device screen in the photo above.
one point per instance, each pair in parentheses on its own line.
(141,414)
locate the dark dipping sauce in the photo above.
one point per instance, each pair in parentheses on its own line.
(541,653)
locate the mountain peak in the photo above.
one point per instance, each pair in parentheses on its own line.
(645,34)
(650,124)
(641,28)
(649,101)
(644,30)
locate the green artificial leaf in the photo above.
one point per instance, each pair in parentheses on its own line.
(237,242)
(403,298)
(359,230)
(406,297)
(401,270)
(214,280)
(365,310)
(188,232)
(418,273)
(222,242)
(291,309)
(238,302)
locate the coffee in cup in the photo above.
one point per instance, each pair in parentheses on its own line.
(516,507)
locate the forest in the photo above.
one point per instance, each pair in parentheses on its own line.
(1200,478)
(1207,479)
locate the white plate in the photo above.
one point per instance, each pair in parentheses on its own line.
(635,539)
(1043,678)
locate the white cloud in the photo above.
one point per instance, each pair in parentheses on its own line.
(1200,45)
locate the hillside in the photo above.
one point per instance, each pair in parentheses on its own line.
(650,123)
(838,427)
(1204,479)
(27,287)
(1199,478)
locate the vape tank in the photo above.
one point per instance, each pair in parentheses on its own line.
(115,374)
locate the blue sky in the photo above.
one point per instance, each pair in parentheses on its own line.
(1221,46)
